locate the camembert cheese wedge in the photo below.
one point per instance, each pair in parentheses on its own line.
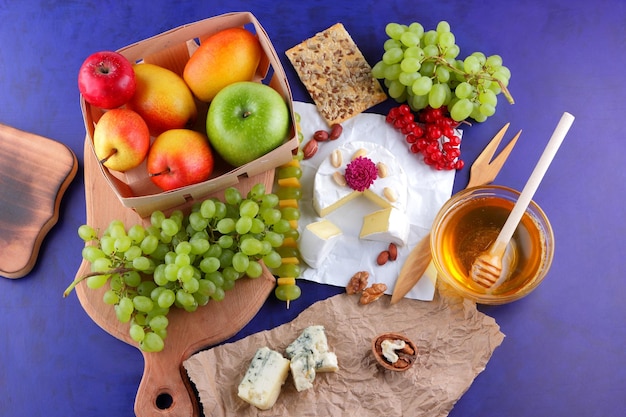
(317,241)
(264,378)
(386,225)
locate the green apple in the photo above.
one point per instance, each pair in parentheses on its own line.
(246,120)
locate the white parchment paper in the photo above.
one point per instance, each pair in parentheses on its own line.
(428,191)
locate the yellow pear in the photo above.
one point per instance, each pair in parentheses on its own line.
(162,98)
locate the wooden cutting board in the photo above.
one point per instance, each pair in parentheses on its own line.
(34,173)
(165,389)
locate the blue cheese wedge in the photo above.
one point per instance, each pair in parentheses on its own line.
(311,340)
(264,378)
(304,366)
(303,371)
(326,362)
(310,354)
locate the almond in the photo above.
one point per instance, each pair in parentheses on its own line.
(383,257)
(390,194)
(335,131)
(382,170)
(339,179)
(360,152)
(336,159)
(310,149)
(393,252)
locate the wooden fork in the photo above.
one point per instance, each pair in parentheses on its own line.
(483,171)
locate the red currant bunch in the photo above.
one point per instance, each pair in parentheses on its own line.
(432,134)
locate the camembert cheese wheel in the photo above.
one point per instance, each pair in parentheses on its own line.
(329,195)
(389,191)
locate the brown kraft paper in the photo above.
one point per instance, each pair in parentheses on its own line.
(454,341)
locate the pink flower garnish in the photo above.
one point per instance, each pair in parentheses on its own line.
(361,173)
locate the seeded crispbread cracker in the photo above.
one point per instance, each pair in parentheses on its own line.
(336,75)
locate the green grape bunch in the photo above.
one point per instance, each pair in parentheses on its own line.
(182,261)
(422,68)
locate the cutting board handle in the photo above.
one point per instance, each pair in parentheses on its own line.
(161,393)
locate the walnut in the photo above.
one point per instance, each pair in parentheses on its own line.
(357,283)
(402,364)
(373,293)
(403,355)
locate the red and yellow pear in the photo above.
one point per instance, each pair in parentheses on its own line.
(226,57)
(178,158)
(121,139)
(162,98)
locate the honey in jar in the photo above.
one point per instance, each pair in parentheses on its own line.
(470,222)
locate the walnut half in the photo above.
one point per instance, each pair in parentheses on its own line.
(404,352)
(357,283)
(373,293)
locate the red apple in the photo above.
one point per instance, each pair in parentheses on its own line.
(179,157)
(106,79)
(121,139)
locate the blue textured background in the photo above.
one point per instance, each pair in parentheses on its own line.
(564,349)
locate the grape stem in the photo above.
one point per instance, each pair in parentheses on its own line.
(505,90)
(78,280)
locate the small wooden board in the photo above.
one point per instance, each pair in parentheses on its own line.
(187,333)
(34,173)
